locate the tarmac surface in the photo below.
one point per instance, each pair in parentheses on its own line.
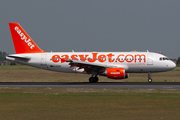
(117,85)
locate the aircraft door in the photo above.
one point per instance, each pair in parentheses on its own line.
(150,59)
(43,59)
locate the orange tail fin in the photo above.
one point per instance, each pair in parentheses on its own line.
(22,41)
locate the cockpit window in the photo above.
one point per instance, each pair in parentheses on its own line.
(163,58)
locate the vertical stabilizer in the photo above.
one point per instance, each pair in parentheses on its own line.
(22,41)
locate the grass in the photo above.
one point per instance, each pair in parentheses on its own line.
(80,104)
(22,73)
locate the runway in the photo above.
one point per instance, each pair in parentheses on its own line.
(108,85)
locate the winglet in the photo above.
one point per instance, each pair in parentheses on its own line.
(22,41)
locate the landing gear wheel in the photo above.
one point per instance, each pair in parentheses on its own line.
(93,79)
(150,80)
(96,79)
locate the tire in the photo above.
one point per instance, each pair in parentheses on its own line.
(96,79)
(93,79)
(150,80)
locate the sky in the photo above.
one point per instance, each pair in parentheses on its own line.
(95,25)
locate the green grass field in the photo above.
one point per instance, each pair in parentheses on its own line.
(85,104)
(88,104)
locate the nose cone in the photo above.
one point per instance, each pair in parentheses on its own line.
(171,65)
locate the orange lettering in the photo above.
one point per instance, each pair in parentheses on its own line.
(119,58)
(65,57)
(101,58)
(55,58)
(110,57)
(74,57)
(93,59)
(82,57)
(140,57)
(131,58)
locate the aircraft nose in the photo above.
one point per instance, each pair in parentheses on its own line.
(172,65)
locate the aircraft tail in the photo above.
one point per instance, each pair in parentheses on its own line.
(22,41)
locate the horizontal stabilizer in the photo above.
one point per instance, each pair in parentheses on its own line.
(21,57)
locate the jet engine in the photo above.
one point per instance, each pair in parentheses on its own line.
(116,73)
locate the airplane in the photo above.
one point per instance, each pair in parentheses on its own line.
(114,65)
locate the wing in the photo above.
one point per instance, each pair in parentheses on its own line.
(96,67)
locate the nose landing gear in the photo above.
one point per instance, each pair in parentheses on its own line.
(149,77)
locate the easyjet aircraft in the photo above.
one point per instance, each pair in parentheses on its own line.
(114,65)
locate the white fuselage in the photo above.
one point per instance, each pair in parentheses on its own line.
(132,62)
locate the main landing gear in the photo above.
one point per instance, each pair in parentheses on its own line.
(93,79)
(149,77)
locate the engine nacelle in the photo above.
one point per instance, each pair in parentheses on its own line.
(116,73)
